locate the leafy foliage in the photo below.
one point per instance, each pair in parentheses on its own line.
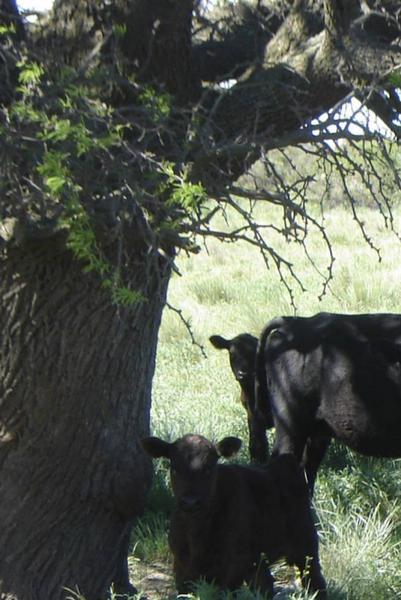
(157,104)
(68,158)
(98,147)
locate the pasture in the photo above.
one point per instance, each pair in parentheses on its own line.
(227,290)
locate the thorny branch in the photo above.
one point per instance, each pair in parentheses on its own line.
(187,325)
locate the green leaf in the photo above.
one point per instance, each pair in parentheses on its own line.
(394,79)
(120,30)
(30,72)
(157,103)
(7,29)
(26,112)
(60,130)
(55,184)
(126,297)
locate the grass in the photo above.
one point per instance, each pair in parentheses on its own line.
(227,290)
(361,553)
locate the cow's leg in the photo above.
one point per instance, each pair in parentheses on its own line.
(305,546)
(262,580)
(314,451)
(258,443)
(183,577)
(289,441)
(311,576)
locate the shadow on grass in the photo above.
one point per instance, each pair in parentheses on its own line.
(335,592)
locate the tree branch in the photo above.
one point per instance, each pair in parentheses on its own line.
(10,16)
(236,36)
(383,107)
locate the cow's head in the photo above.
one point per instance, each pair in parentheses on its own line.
(193,467)
(242,352)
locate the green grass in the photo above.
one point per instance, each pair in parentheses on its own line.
(360,553)
(227,290)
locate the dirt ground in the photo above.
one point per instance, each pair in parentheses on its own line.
(154,581)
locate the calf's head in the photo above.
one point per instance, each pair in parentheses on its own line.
(242,352)
(193,467)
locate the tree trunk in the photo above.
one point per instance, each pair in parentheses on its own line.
(75,395)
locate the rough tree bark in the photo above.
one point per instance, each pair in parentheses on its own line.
(75,369)
(76,376)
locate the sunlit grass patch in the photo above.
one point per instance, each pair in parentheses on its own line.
(359,554)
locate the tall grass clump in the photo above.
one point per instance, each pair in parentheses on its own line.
(360,554)
(150,535)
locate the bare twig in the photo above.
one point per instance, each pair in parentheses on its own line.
(188,327)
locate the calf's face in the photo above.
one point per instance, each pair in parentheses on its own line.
(193,467)
(242,352)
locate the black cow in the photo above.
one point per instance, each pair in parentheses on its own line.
(331,376)
(242,354)
(231,521)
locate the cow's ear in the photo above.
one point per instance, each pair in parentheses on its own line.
(155,447)
(228,446)
(219,342)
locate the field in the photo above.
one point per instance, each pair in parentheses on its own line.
(226,290)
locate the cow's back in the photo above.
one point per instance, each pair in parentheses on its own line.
(334,372)
(306,333)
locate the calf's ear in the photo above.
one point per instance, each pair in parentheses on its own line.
(155,447)
(228,446)
(219,342)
